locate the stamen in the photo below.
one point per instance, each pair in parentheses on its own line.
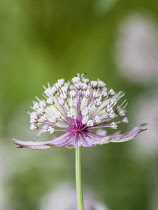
(111,92)
(113,125)
(50,100)
(90,123)
(125,120)
(33,127)
(51,130)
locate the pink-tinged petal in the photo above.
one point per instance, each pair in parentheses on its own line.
(117,137)
(86,140)
(83,139)
(59,141)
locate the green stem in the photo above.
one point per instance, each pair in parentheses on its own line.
(79,179)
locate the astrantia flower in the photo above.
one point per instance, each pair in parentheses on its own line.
(79,110)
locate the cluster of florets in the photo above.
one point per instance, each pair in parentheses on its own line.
(87,103)
(80,110)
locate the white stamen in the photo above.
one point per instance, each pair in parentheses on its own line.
(90,123)
(35,106)
(87,94)
(97,102)
(53,90)
(64,89)
(78,85)
(111,114)
(57,114)
(33,127)
(53,119)
(125,120)
(101,84)
(42,118)
(85,112)
(104,93)
(111,92)
(94,84)
(50,100)
(84,86)
(113,125)
(97,119)
(34,115)
(33,120)
(42,103)
(48,92)
(109,108)
(40,111)
(72,103)
(120,111)
(59,83)
(76,79)
(71,113)
(112,101)
(96,94)
(63,96)
(85,80)
(72,93)
(50,129)
(61,102)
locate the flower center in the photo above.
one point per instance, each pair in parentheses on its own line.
(78,127)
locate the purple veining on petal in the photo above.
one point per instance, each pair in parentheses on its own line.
(117,137)
(35,144)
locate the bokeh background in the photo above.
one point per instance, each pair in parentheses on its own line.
(45,40)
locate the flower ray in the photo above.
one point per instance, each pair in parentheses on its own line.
(117,137)
(58,141)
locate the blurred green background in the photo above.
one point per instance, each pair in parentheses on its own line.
(45,40)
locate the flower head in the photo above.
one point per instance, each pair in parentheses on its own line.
(81,110)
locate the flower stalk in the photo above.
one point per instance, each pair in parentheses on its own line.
(79,189)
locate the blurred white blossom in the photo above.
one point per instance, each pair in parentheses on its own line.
(64,198)
(137,48)
(147,111)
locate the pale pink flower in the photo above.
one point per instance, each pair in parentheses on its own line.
(147,108)
(80,111)
(137,48)
(67,192)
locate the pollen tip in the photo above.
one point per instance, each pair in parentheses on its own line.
(143,124)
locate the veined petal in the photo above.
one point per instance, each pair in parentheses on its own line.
(58,141)
(83,140)
(117,137)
